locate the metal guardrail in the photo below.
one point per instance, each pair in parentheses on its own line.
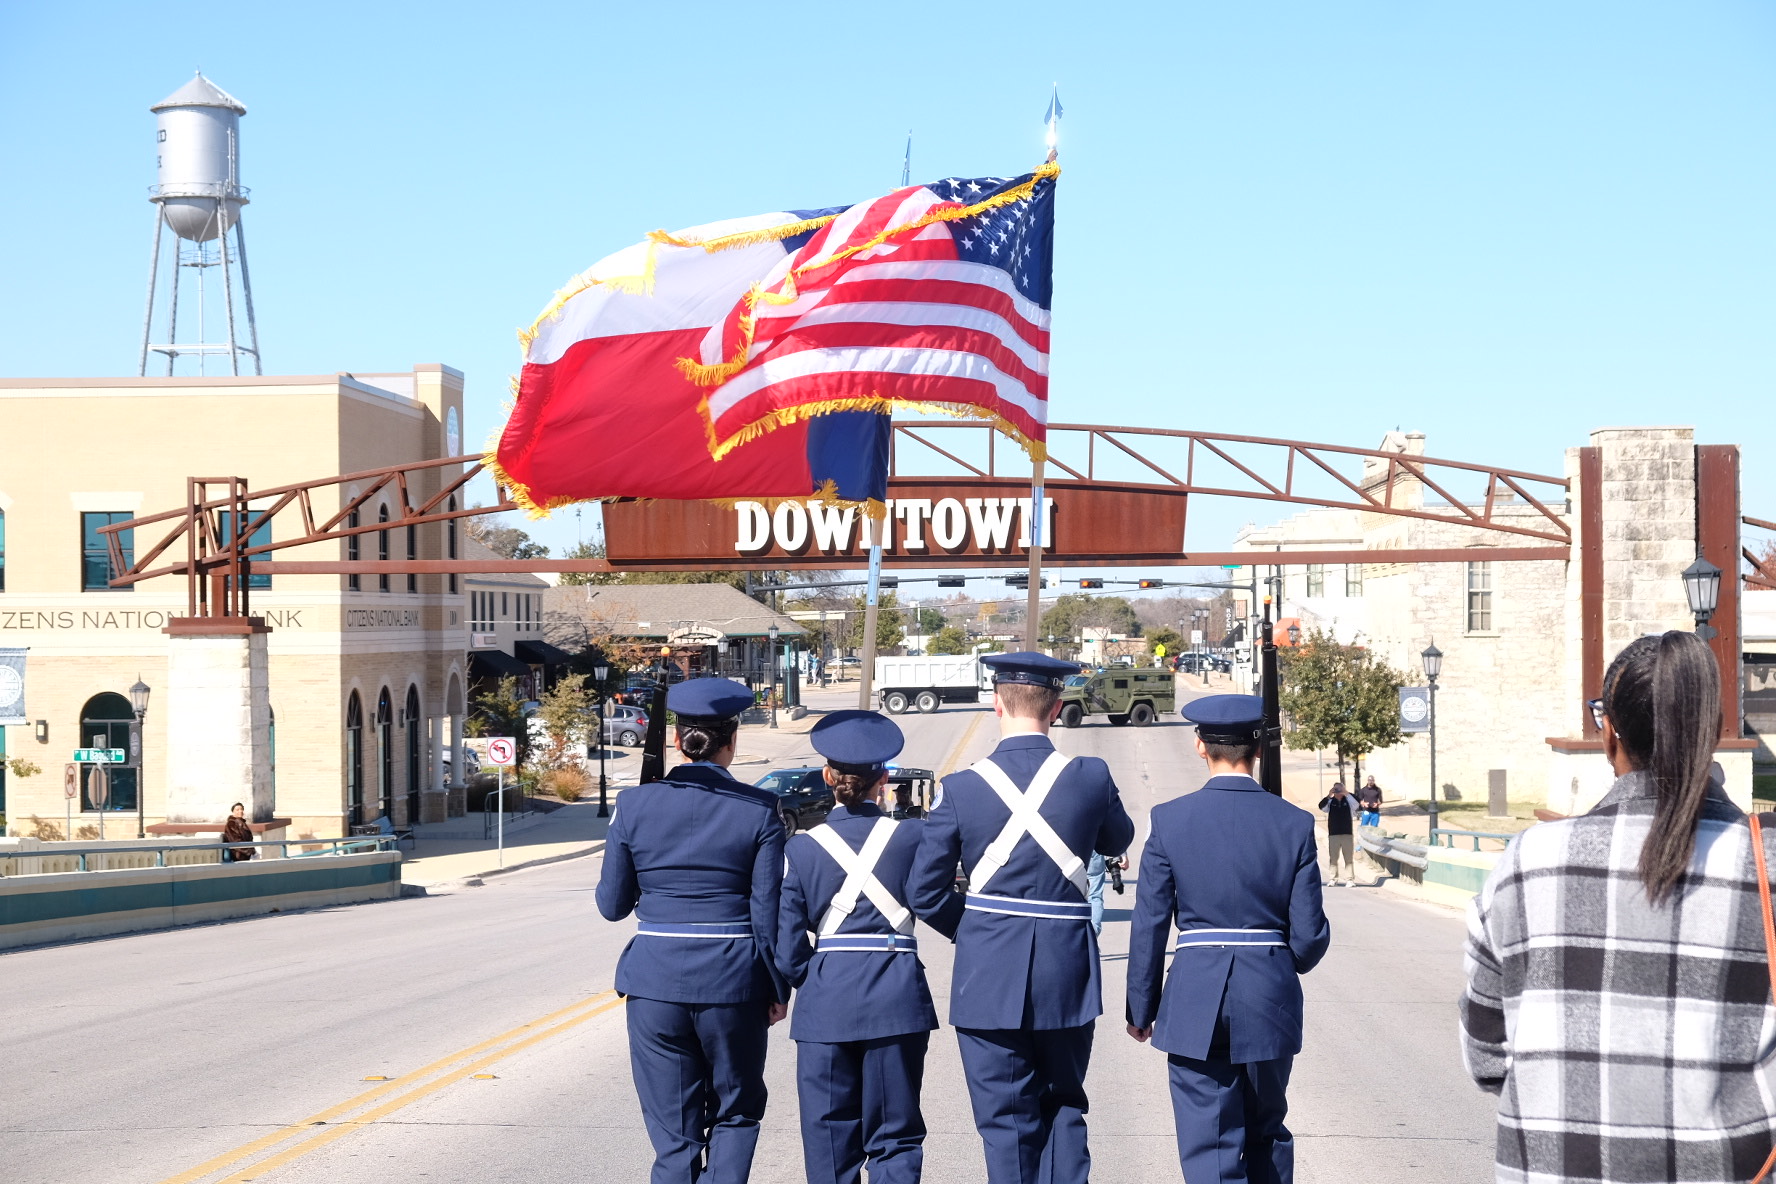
(1442,831)
(493,821)
(356,845)
(1385,846)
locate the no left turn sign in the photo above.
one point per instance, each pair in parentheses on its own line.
(502,750)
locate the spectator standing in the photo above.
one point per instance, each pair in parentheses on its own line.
(1369,802)
(1339,809)
(1618,996)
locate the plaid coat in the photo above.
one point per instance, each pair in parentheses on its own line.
(1627,1043)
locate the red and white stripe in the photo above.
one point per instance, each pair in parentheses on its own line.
(905,321)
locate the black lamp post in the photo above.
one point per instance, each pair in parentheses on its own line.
(139,701)
(600,672)
(773,657)
(1702,589)
(1433,665)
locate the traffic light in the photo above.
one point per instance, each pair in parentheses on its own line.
(1091,583)
(888,582)
(951,582)
(1153,583)
(1023,581)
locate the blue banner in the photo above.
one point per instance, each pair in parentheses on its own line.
(12,686)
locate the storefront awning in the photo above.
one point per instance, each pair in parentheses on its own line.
(495,664)
(540,653)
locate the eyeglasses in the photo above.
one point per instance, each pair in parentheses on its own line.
(1596,706)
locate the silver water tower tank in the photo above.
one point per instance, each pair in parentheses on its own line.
(198,148)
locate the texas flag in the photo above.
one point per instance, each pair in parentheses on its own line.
(760,358)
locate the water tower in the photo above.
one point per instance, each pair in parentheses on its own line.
(199,198)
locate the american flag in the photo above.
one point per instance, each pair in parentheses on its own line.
(934,296)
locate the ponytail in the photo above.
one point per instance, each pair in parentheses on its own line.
(1662,697)
(700,742)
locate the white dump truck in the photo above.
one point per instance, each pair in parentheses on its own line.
(926,683)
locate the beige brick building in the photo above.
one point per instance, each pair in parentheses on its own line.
(366,673)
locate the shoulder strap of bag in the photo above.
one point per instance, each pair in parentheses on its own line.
(1763,878)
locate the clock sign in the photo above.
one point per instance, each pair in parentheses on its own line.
(12,689)
(1415,709)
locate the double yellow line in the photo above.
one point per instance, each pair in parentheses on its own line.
(388,1097)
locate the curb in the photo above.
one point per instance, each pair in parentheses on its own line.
(479,879)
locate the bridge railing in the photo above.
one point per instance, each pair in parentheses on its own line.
(58,860)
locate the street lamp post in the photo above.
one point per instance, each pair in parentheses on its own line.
(139,701)
(1702,589)
(1270,750)
(1433,665)
(773,658)
(600,672)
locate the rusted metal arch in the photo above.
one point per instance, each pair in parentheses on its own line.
(215,566)
(1763,571)
(1064,438)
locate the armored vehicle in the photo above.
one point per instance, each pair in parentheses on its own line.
(1123,694)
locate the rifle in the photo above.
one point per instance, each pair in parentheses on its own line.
(653,750)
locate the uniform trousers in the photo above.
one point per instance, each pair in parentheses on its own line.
(1028,1092)
(860,1099)
(700,1075)
(1229,1119)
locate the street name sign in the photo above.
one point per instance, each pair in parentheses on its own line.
(99,756)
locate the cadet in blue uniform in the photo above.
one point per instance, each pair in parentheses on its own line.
(863,1014)
(1236,867)
(698,858)
(1025,988)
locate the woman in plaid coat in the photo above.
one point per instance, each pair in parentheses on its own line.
(1618,994)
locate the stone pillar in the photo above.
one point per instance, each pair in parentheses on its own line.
(1634,527)
(434,803)
(459,795)
(218,713)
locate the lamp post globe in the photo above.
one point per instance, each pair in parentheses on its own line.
(1702,589)
(1294,635)
(139,703)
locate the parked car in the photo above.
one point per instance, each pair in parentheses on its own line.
(624,725)
(803,799)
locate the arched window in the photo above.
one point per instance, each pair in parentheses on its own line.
(449,545)
(105,723)
(354,759)
(382,548)
(385,753)
(415,753)
(354,549)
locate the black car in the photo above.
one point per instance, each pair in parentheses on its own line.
(803,798)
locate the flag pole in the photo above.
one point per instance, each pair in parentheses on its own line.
(866,674)
(1036,517)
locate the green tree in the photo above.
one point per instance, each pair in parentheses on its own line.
(1075,612)
(948,640)
(1336,697)
(567,715)
(588,551)
(889,623)
(931,621)
(508,542)
(1169,637)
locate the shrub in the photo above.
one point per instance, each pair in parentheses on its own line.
(567,784)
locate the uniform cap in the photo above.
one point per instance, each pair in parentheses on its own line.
(708,700)
(1027,666)
(1231,719)
(857,741)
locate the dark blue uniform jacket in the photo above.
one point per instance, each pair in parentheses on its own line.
(1229,856)
(847,994)
(1021,972)
(699,847)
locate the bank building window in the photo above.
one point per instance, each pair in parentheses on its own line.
(96,572)
(382,549)
(261,537)
(449,545)
(1353,579)
(354,551)
(412,554)
(1479,598)
(105,722)
(1316,579)
(354,758)
(385,754)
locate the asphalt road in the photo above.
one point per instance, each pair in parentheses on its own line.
(473,1037)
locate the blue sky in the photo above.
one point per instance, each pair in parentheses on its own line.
(1502,223)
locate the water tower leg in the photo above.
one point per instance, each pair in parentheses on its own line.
(148,313)
(227,293)
(240,250)
(173,313)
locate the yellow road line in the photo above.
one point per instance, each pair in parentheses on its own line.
(369,1117)
(955,756)
(228,1158)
